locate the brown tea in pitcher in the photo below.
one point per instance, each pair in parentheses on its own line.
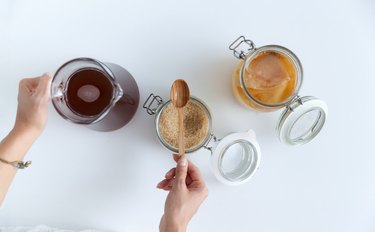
(89,92)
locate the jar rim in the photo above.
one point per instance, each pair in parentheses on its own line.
(251,164)
(279,49)
(236,158)
(199,145)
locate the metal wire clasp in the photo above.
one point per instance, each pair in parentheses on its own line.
(240,51)
(295,99)
(210,142)
(152,103)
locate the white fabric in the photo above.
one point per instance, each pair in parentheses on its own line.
(39,228)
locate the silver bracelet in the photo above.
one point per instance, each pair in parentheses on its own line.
(17,164)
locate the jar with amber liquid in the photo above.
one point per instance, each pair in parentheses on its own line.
(269,78)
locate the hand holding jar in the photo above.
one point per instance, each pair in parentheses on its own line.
(187,191)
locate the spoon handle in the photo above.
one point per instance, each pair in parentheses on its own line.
(181,141)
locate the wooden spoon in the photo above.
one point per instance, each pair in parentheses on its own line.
(180,95)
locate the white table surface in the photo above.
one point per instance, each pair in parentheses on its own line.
(86,179)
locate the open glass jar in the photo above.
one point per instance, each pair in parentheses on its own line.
(234,158)
(269,78)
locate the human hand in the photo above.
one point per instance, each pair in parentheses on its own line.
(187,191)
(32,111)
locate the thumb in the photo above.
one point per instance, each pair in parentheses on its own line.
(181,170)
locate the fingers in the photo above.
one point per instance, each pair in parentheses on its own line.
(176,157)
(185,174)
(170,174)
(168,181)
(193,170)
(162,183)
(194,173)
(168,188)
(31,82)
(44,85)
(27,86)
(36,85)
(165,184)
(181,171)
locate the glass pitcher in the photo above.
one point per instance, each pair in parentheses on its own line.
(102,96)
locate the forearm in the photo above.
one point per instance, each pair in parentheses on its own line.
(13,148)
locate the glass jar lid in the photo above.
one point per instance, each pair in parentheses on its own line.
(302,120)
(236,158)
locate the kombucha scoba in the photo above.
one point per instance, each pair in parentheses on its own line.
(270,77)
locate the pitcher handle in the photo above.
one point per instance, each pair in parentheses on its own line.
(118,93)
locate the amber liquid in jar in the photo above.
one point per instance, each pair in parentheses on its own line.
(270,77)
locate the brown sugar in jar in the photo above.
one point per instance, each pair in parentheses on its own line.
(196,125)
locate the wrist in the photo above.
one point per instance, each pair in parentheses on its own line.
(172,225)
(15,145)
(24,134)
(22,129)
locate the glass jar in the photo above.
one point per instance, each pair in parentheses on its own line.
(234,158)
(269,78)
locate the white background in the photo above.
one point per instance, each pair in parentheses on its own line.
(85,179)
